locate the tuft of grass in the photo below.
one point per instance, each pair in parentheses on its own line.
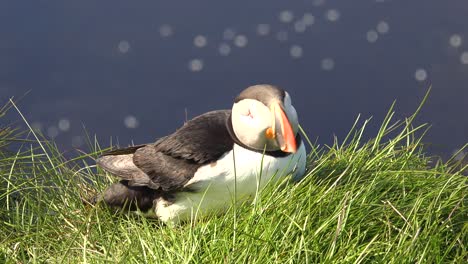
(381,200)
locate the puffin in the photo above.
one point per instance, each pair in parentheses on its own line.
(212,161)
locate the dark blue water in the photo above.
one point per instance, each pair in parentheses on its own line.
(133,70)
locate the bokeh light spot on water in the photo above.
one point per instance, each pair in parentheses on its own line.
(332,15)
(166,31)
(124,46)
(52,132)
(420,75)
(327,64)
(263,29)
(240,41)
(224,49)
(308,19)
(37,126)
(286,16)
(195,65)
(318,2)
(383,27)
(300,26)
(77,141)
(200,41)
(464,58)
(131,121)
(296,51)
(372,36)
(64,124)
(229,34)
(282,36)
(455,40)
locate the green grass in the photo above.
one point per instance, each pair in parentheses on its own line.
(378,201)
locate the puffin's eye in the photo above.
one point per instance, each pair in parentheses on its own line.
(248,113)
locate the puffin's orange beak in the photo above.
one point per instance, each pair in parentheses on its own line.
(284,133)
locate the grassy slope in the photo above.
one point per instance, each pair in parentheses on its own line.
(375,201)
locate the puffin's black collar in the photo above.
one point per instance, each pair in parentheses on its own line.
(274,153)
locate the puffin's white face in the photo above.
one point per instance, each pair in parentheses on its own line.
(271,127)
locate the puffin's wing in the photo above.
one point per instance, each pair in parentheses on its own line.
(172,161)
(120,163)
(144,166)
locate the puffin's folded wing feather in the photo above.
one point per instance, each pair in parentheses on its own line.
(164,171)
(123,167)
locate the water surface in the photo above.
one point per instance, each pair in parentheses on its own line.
(134,70)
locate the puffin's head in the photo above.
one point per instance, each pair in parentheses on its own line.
(263,118)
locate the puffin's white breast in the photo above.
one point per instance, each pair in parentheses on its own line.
(216,183)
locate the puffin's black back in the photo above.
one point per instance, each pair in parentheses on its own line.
(202,140)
